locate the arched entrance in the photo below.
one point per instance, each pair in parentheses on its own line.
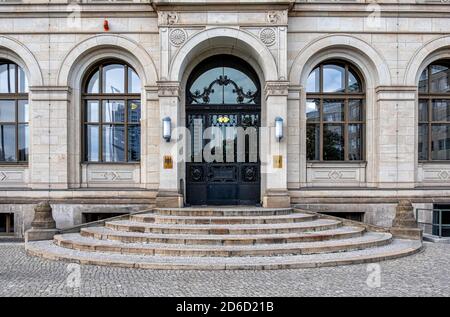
(223,115)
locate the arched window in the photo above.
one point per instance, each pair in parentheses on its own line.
(14,113)
(223,80)
(434,112)
(335,113)
(111,114)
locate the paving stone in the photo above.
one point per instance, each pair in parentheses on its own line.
(424,274)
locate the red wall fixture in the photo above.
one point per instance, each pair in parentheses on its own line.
(106,25)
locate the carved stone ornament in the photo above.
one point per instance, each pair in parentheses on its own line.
(177,37)
(172,18)
(268,36)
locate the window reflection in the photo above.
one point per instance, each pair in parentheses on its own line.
(335,113)
(440,140)
(7,78)
(434,112)
(14,113)
(114,79)
(333,78)
(112,123)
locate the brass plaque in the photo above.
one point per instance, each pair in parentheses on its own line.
(168,162)
(278,161)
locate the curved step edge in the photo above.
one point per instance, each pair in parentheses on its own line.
(132,237)
(271,250)
(313,226)
(43,250)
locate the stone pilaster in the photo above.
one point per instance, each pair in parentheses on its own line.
(49,137)
(169,194)
(274,152)
(397,157)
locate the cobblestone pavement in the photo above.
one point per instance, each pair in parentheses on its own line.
(424,274)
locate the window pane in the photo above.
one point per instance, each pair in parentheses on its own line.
(423,81)
(92,143)
(242,81)
(201,84)
(354,84)
(423,110)
(333,110)
(134,83)
(23,131)
(333,78)
(23,81)
(92,111)
(7,143)
(355,142)
(24,111)
(134,144)
(7,111)
(7,78)
(440,136)
(441,110)
(113,143)
(313,142)
(423,142)
(114,79)
(333,142)
(313,84)
(113,111)
(93,86)
(134,111)
(312,110)
(355,110)
(440,75)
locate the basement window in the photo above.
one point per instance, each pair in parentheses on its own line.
(88,217)
(6,223)
(354,216)
(445,219)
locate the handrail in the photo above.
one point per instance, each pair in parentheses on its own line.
(437,222)
(102,222)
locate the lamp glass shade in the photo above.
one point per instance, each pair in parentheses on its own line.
(279,128)
(167,129)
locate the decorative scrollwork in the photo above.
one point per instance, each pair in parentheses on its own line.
(241,96)
(196,173)
(249,173)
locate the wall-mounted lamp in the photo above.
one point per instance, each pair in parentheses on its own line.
(167,129)
(279,128)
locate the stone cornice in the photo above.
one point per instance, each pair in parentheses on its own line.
(276,88)
(204,5)
(169,89)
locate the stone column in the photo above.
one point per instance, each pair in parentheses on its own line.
(397,122)
(48,137)
(273,151)
(169,194)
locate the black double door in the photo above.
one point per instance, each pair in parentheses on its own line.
(224,167)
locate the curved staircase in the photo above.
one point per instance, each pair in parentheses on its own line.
(225,238)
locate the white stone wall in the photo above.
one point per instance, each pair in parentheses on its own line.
(390,42)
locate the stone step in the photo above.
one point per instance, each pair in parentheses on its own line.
(222,220)
(77,242)
(309,226)
(225,211)
(102,233)
(398,248)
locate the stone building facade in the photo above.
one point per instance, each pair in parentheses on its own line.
(383,47)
